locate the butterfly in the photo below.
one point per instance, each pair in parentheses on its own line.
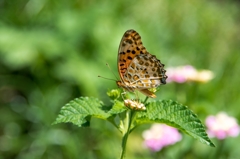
(137,68)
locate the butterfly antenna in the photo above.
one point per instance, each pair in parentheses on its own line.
(107,78)
(111,70)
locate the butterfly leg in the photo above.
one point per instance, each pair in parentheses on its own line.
(137,96)
(123,93)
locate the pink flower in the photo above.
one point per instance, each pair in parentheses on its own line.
(159,136)
(186,73)
(222,126)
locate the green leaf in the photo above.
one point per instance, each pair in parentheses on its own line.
(117,108)
(80,110)
(176,115)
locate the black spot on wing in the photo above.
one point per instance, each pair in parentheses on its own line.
(129,57)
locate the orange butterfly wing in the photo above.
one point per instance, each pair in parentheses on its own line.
(130,46)
(138,69)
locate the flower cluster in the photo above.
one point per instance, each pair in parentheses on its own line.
(132,104)
(186,73)
(222,126)
(159,136)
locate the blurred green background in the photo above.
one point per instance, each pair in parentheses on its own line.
(52,52)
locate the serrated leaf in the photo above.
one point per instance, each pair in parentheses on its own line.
(117,108)
(80,110)
(176,115)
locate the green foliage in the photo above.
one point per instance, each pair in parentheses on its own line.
(80,111)
(117,108)
(176,115)
(52,51)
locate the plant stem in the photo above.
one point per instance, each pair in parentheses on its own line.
(127,126)
(145,100)
(219,152)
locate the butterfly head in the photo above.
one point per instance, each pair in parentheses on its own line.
(126,86)
(119,83)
